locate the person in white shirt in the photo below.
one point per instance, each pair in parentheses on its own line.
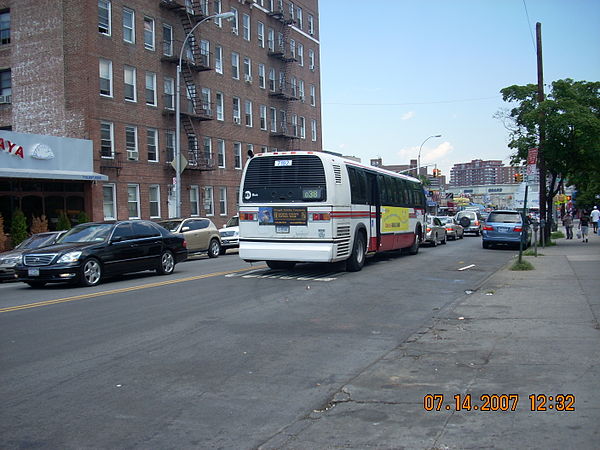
(595,216)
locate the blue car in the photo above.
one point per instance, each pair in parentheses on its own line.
(505,227)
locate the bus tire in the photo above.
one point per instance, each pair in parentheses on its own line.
(414,248)
(281,265)
(358,255)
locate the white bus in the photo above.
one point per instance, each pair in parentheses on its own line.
(317,207)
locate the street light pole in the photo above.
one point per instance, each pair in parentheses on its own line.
(419,156)
(226,15)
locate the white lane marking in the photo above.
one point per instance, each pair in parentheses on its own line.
(467,267)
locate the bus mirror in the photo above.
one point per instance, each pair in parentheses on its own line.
(250,153)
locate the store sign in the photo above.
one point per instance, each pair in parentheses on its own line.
(11,148)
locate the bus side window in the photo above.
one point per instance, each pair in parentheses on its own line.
(357,186)
(403,192)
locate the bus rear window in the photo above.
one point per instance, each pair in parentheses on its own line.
(285,178)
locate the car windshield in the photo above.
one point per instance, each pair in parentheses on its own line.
(37,241)
(446,219)
(233,222)
(505,217)
(170,225)
(88,232)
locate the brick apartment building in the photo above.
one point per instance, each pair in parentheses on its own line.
(479,172)
(105,71)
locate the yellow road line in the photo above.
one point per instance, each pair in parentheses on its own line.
(121,290)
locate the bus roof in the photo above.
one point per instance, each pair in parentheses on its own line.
(340,160)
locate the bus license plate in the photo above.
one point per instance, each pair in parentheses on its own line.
(282,228)
(33,272)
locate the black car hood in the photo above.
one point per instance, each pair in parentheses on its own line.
(64,247)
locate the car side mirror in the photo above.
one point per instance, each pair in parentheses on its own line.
(116,239)
(183,229)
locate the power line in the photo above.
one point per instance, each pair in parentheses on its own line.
(529,25)
(414,103)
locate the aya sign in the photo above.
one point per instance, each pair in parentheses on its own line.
(11,148)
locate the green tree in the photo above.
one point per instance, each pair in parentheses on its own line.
(570,116)
(82,217)
(18,228)
(63,222)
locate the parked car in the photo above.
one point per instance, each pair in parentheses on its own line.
(435,232)
(471,221)
(200,233)
(10,259)
(453,229)
(505,227)
(230,234)
(90,251)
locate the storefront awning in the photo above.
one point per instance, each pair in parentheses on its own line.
(52,174)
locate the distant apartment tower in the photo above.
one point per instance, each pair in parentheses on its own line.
(105,70)
(479,172)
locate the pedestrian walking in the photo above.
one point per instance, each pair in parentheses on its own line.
(595,216)
(584,223)
(568,224)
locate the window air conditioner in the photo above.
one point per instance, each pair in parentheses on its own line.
(248,78)
(234,30)
(5,99)
(236,120)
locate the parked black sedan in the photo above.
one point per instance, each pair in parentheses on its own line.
(90,251)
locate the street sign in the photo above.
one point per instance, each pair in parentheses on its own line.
(182,163)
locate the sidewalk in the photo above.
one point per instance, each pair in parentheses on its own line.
(523,333)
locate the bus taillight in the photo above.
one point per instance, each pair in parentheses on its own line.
(320,216)
(247,216)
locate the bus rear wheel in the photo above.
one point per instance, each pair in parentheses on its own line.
(357,258)
(281,265)
(414,248)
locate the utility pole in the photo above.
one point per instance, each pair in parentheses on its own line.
(542,131)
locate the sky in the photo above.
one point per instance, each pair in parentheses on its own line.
(394,72)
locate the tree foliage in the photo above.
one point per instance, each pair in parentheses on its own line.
(63,222)
(570,116)
(18,228)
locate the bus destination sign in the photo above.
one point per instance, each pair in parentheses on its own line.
(290,216)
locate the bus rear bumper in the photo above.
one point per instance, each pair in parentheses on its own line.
(287,251)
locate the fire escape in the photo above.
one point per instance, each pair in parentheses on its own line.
(285,92)
(195,59)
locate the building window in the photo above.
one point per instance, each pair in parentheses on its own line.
(208,201)
(5,27)
(148,33)
(293,48)
(271,39)
(237,155)
(106,79)
(313,95)
(260,32)
(294,125)
(107,140)
(6,85)
(247,70)
(311,59)
(150,88)
(301,90)
(128,25)
(152,143)
(302,128)
(300,54)
(272,79)
(221,153)
(263,117)
(104,17)
(205,93)
(234,21)
(169,146)
(194,201)
(169,86)
(218,10)
(273,119)
(131,143)
(219,59)
(109,192)
(299,20)
(236,110)
(246,27)
(223,201)
(235,65)
(311,24)
(133,200)
(154,198)
(313,130)
(261,76)
(167,40)
(205,52)
(220,108)
(248,113)
(208,150)
(129,82)
(294,87)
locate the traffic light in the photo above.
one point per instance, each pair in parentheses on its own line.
(518,177)
(437,173)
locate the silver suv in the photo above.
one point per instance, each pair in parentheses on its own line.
(471,221)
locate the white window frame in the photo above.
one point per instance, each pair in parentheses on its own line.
(169,146)
(272,79)
(311,59)
(131,70)
(235,22)
(220,105)
(150,46)
(299,19)
(247,69)
(149,132)
(313,95)
(129,26)
(261,76)
(246,27)
(313,130)
(209,200)
(153,88)
(222,201)
(263,117)
(136,201)
(300,54)
(235,65)
(194,201)
(221,162)
(302,128)
(207,148)
(301,92)
(133,153)
(271,39)
(219,59)
(248,113)
(311,24)
(236,114)
(107,63)
(113,204)
(218,10)
(108,6)
(154,188)
(168,45)
(260,34)
(169,93)
(273,119)
(237,155)
(111,130)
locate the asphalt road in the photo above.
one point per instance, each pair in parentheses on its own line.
(221,354)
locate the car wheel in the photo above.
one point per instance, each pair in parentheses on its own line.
(485,244)
(214,248)
(445,240)
(357,257)
(91,272)
(434,242)
(462,235)
(281,265)
(36,284)
(167,263)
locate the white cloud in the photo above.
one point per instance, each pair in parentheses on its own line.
(436,154)
(407,115)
